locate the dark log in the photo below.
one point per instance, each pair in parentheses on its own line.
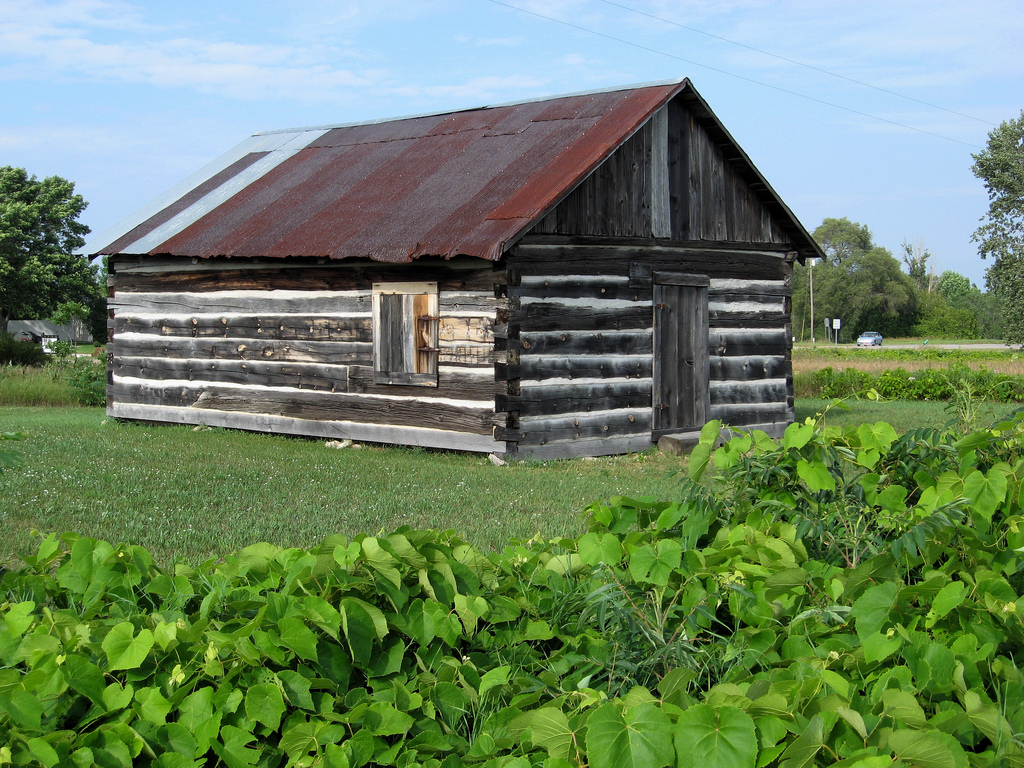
(540,367)
(733,393)
(739,342)
(748,367)
(550,317)
(584,343)
(725,319)
(611,424)
(583,287)
(573,449)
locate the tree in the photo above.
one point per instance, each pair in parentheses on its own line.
(1001,167)
(39,232)
(961,294)
(860,283)
(915,259)
(842,238)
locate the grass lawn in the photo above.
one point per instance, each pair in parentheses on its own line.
(189,494)
(904,415)
(198,494)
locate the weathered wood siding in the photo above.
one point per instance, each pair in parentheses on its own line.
(289,347)
(580,341)
(673,180)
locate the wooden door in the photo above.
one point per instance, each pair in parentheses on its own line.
(681,369)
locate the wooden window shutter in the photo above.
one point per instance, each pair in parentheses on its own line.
(405,330)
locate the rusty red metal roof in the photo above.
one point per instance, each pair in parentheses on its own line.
(463,183)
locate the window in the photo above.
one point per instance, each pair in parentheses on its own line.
(405,324)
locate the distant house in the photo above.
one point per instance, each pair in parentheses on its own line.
(37,329)
(564,277)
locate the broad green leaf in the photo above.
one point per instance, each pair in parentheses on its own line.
(640,737)
(181,740)
(115,697)
(43,752)
(878,646)
(470,610)
(871,610)
(893,499)
(566,564)
(656,564)
(419,622)
(878,436)
(921,749)
(19,617)
(380,560)
(384,720)
(986,491)
(125,649)
(764,443)
(264,703)
(152,706)
(23,708)
(195,713)
(164,634)
(868,458)
(802,752)
(948,598)
(404,549)
(85,677)
(903,707)
(232,747)
(359,633)
(986,717)
(380,623)
(494,678)
(297,637)
(709,737)
(781,582)
(549,729)
(816,475)
(797,435)
(296,688)
(595,548)
(855,720)
(322,614)
(700,456)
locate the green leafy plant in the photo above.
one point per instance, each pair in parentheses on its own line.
(87,378)
(834,597)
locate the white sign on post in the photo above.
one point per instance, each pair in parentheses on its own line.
(837,324)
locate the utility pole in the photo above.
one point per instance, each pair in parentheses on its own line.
(810,274)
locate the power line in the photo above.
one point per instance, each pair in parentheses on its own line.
(733,74)
(794,61)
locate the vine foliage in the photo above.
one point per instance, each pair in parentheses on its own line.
(835,597)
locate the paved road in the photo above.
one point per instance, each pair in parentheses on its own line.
(949,346)
(918,346)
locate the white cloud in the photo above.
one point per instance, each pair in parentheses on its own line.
(67,41)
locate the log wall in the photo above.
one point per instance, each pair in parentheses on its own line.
(288,347)
(580,335)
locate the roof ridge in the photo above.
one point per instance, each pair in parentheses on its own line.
(554,97)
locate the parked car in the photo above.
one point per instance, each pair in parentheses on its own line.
(869,339)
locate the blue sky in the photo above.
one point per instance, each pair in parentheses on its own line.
(128,98)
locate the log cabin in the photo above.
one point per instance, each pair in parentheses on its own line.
(571,276)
